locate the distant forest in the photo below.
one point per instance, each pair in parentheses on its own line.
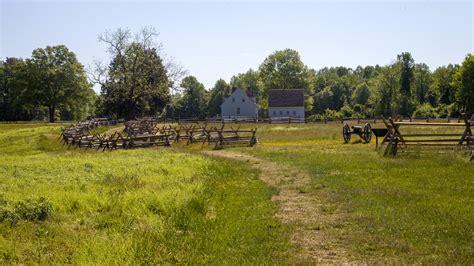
(139,81)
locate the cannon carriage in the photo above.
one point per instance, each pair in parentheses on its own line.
(364,132)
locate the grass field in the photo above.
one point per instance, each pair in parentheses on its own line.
(416,207)
(60,205)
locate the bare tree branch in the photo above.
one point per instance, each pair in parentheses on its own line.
(176,73)
(97,72)
(119,43)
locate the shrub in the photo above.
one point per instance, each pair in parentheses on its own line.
(328,114)
(425,110)
(332,114)
(29,210)
(346,111)
(442,110)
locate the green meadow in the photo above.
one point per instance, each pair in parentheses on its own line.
(416,207)
(179,205)
(61,205)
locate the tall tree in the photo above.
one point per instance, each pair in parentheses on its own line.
(334,87)
(464,82)
(387,85)
(406,64)
(422,83)
(443,84)
(193,103)
(247,81)
(11,84)
(217,94)
(361,94)
(56,79)
(137,81)
(285,70)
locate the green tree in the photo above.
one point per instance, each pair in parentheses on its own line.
(422,84)
(464,82)
(361,94)
(285,70)
(367,72)
(406,64)
(137,81)
(386,87)
(248,81)
(217,94)
(323,100)
(443,84)
(324,77)
(334,87)
(193,103)
(56,79)
(11,105)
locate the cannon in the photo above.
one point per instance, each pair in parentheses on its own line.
(365,133)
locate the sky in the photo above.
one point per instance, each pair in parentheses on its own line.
(219,39)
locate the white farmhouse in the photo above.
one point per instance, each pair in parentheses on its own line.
(239,104)
(286,103)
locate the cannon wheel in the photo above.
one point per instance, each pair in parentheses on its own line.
(367,134)
(346,133)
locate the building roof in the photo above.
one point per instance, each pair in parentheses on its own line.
(236,91)
(285,98)
(247,92)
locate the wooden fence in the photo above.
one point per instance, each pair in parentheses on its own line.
(149,132)
(460,134)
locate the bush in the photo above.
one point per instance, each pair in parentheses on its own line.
(332,114)
(442,110)
(328,114)
(29,210)
(346,111)
(315,118)
(425,110)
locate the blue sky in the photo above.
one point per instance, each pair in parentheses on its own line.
(215,40)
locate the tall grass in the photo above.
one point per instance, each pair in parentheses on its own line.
(129,207)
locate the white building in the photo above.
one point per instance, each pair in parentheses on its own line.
(286,103)
(239,104)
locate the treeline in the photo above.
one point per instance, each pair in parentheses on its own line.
(52,85)
(403,88)
(139,81)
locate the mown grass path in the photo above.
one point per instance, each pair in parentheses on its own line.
(299,210)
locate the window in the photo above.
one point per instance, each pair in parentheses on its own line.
(274,112)
(238,110)
(281,112)
(243,100)
(287,112)
(233,100)
(294,112)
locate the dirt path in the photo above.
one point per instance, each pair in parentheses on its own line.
(305,213)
